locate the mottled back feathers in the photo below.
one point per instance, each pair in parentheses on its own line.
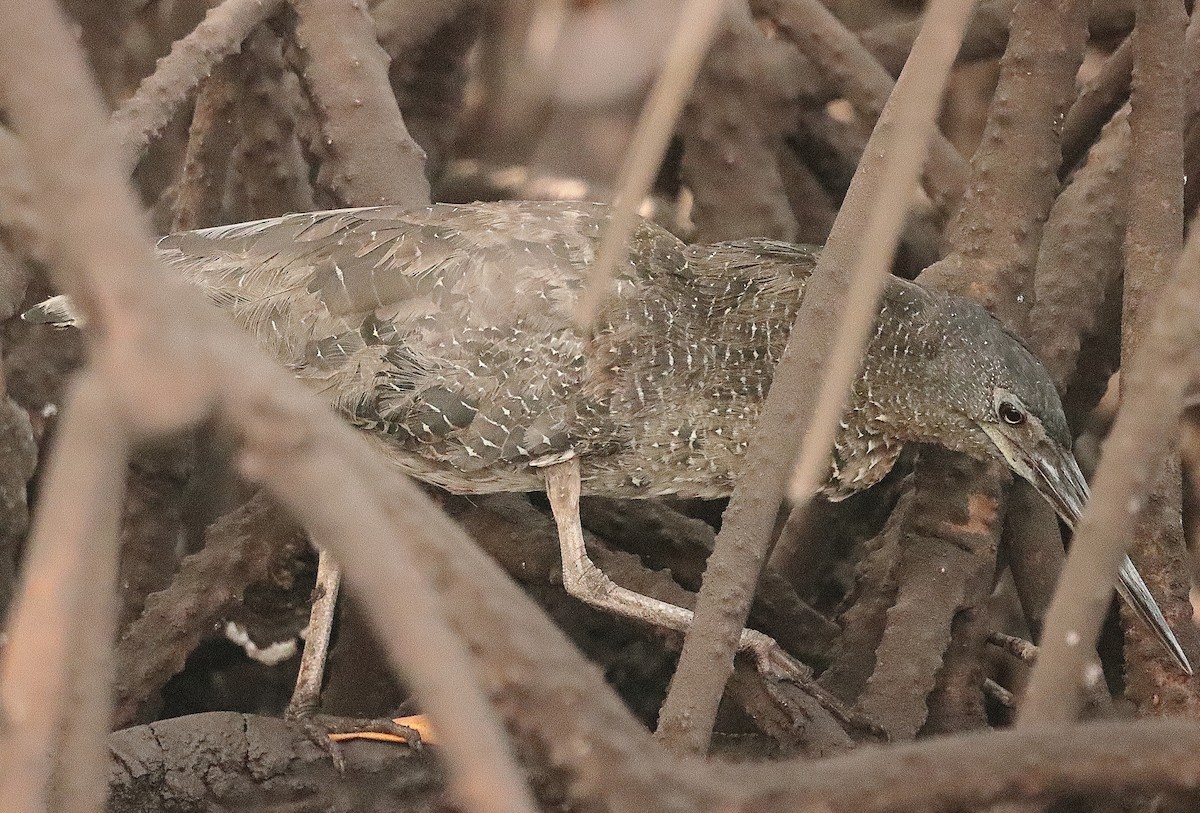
(448,333)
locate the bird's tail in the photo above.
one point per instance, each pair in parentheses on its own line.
(1135,593)
(57,310)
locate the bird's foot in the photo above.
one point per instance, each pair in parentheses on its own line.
(773,662)
(328,731)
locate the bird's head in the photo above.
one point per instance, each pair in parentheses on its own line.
(1008,405)
(994,399)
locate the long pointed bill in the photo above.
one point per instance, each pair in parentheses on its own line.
(1053,471)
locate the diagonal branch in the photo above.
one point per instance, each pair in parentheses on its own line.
(368,156)
(166,358)
(179,73)
(1166,362)
(854,72)
(872,217)
(56,671)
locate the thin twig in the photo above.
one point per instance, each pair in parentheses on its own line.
(1019,648)
(871,217)
(998,693)
(698,22)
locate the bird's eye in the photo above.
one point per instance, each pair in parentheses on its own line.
(1010,414)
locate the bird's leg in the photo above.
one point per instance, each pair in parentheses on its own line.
(325,730)
(588,583)
(307,695)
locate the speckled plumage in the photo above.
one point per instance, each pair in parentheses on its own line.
(447,331)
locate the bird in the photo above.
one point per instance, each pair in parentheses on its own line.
(448,335)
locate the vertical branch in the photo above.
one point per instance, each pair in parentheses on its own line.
(269,170)
(699,20)
(731,131)
(152,521)
(199,195)
(1167,359)
(994,241)
(872,216)
(369,158)
(864,621)
(1153,238)
(1035,552)
(996,234)
(1078,270)
(941,566)
(430,81)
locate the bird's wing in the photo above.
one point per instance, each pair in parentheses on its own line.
(449,328)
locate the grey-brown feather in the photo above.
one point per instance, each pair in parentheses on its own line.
(448,332)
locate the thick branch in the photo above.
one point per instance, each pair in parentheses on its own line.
(55,711)
(731,129)
(241,548)
(269,170)
(1097,102)
(872,216)
(938,774)
(1153,237)
(368,156)
(997,231)
(1079,264)
(179,73)
(1155,383)
(200,192)
(163,375)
